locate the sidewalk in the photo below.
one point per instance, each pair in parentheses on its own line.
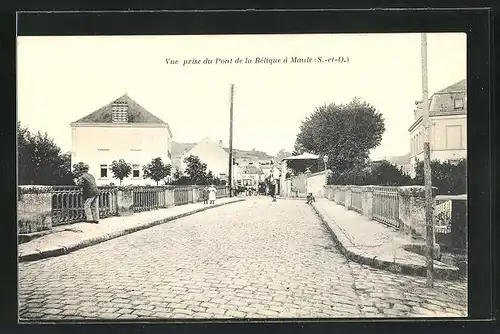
(372,243)
(68,238)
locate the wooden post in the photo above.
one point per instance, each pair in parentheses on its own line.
(230,177)
(429,219)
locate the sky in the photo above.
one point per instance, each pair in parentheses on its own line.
(63,78)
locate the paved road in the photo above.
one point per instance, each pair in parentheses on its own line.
(253,259)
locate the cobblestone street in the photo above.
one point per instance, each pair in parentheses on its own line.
(252,259)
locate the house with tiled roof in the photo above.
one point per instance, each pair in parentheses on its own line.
(121,129)
(448,125)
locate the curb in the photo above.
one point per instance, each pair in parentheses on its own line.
(63,250)
(394,267)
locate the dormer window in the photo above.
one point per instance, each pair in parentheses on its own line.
(458,103)
(120,112)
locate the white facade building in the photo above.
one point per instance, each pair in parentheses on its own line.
(212,154)
(448,126)
(121,129)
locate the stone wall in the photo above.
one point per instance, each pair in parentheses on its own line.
(34,209)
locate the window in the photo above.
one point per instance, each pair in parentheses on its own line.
(104,171)
(135,171)
(459,103)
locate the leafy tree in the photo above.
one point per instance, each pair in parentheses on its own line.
(121,169)
(40,160)
(156,170)
(79,168)
(345,132)
(448,177)
(196,170)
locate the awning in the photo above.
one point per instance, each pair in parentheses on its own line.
(303,156)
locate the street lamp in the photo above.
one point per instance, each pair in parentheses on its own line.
(325,160)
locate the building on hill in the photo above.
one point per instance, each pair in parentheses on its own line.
(448,126)
(212,154)
(122,129)
(402,162)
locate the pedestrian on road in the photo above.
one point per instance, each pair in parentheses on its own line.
(205,195)
(212,194)
(272,190)
(90,196)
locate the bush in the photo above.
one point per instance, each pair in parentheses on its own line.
(448,177)
(382,173)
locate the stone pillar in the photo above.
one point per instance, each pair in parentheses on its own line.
(124,202)
(34,209)
(412,211)
(348,198)
(367,201)
(196,195)
(169,198)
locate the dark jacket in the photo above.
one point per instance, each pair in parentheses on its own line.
(87,181)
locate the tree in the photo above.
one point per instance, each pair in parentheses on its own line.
(345,132)
(79,168)
(196,170)
(40,160)
(381,173)
(156,170)
(121,169)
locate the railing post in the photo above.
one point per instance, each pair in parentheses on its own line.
(125,201)
(34,209)
(412,211)
(169,197)
(348,198)
(367,201)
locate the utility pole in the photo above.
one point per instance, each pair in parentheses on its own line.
(230,179)
(429,219)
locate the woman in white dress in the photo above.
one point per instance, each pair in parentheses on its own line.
(212,194)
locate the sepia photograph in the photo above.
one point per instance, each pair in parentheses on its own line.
(208,177)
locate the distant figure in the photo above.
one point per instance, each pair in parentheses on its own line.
(212,194)
(90,196)
(272,190)
(310,198)
(204,195)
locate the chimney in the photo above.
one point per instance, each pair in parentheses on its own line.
(220,143)
(119,112)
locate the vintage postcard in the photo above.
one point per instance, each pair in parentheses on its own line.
(242,176)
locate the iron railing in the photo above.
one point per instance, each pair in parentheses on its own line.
(183,196)
(148,198)
(386,206)
(67,204)
(356,199)
(222,192)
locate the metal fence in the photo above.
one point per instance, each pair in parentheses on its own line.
(183,196)
(148,198)
(356,199)
(222,192)
(67,204)
(386,206)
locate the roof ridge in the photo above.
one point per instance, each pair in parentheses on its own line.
(137,113)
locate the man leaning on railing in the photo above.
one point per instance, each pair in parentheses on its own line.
(90,195)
